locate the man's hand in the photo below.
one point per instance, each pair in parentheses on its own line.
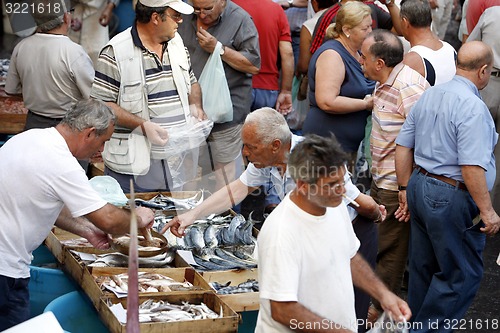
(197,112)
(492,223)
(179,224)
(284,102)
(155,133)
(145,217)
(98,238)
(395,306)
(402,213)
(382,214)
(434,4)
(106,14)
(206,40)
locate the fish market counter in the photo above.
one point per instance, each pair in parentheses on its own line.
(173,281)
(12,113)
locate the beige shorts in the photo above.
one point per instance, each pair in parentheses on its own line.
(225,145)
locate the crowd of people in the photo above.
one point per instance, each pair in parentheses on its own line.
(382,91)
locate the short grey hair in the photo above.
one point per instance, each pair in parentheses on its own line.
(417,12)
(89,113)
(316,157)
(269,125)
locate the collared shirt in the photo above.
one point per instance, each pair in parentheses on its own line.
(450,126)
(235,30)
(163,99)
(392,102)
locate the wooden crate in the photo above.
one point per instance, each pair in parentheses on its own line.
(57,236)
(225,324)
(237,302)
(90,286)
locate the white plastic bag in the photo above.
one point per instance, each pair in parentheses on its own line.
(109,190)
(296,118)
(385,324)
(217,102)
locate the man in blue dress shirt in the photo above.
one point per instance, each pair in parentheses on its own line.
(450,136)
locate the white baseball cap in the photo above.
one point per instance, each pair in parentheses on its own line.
(177,5)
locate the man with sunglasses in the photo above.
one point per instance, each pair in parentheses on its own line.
(144,74)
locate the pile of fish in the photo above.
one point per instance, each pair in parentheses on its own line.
(148,282)
(251,285)
(121,260)
(163,202)
(160,311)
(217,243)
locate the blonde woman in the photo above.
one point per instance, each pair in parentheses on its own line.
(337,85)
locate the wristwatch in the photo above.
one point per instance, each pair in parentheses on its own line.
(401,188)
(290,3)
(222,50)
(388,2)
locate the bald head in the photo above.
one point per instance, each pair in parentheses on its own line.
(473,55)
(474,61)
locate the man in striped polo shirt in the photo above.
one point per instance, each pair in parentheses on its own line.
(144,74)
(397,89)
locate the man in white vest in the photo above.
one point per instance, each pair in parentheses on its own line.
(144,74)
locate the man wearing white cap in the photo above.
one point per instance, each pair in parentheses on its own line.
(144,74)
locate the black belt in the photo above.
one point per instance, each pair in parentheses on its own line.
(44,117)
(444,179)
(495,74)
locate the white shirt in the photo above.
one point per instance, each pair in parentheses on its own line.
(38,176)
(306,258)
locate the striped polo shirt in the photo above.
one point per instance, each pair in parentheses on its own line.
(392,102)
(164,103)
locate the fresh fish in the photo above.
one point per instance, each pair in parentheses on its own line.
(226,255)
(210,236)
(208,265)
(196,236)
(242,254)
(244,234)
(152,204)
(209,255)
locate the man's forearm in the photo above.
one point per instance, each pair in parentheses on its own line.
(475,181)
(125,118)
(238,61)
(365,278)
(404,164)
(223,199)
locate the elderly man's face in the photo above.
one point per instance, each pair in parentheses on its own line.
(256,151)
(208,11)
(367,61)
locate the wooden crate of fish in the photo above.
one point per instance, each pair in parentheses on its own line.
(59,240)
(106,281)
(238,288)
(218,243)
(193,312)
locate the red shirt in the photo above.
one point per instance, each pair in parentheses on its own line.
(475,9)
(272,26)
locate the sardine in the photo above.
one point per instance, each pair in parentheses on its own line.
(210,236)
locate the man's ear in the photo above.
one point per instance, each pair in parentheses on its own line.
(380,63)
(276,145)
(483,71)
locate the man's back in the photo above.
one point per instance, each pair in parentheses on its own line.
(272,25)
(51,72)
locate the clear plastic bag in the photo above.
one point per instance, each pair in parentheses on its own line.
(385,324)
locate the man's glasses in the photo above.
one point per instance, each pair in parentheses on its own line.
(206,11)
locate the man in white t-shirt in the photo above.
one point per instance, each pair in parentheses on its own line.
(42,184)
(267,142)
(308,258)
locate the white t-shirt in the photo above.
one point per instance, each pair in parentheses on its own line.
(307,259)
(38,176)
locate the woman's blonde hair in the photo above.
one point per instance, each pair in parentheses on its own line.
(349,15)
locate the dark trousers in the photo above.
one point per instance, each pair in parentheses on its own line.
(446,263)
(158,178)
(14,301)
(366,232)
(393,239)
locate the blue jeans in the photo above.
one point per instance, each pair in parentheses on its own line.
(262,98)
(446,263)
(14,301)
